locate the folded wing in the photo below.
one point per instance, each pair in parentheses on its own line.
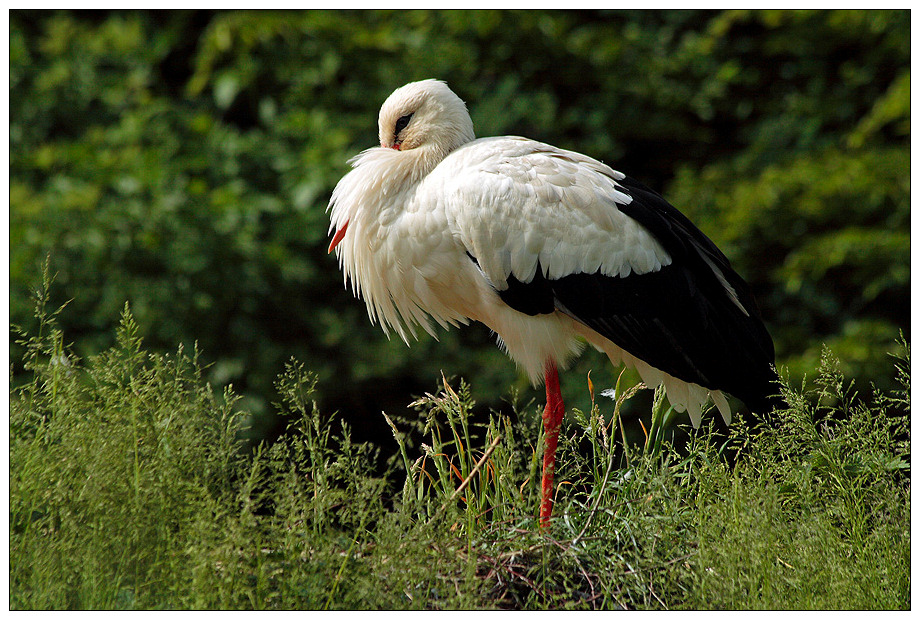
(558,231)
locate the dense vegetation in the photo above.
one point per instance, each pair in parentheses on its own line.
(128,490)
(181,162)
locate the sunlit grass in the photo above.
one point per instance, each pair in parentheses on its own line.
(129,490)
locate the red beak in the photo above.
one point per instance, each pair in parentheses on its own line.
(337,238)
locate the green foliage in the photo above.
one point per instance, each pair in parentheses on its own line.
(813,512)
(116,464)
(129,490)
(182,162)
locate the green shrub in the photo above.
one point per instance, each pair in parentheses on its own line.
(130,489)
(183,161)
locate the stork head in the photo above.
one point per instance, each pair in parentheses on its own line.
(425,115)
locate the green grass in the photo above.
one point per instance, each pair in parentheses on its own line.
(130,490)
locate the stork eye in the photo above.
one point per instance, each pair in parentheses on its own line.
(401,123)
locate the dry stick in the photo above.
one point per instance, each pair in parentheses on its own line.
(466,482)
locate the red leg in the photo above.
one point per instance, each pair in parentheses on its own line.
(552,420)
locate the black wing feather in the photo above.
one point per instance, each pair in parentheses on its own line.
(680,319)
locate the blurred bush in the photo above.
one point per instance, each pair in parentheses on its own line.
(182,161)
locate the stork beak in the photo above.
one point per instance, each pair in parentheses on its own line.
(337,238)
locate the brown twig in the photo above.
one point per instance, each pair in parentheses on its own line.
(466,482)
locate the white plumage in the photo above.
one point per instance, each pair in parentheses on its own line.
(436,226)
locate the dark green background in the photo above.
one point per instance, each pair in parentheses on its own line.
(182,162)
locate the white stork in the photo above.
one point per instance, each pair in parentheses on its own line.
(548,248)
